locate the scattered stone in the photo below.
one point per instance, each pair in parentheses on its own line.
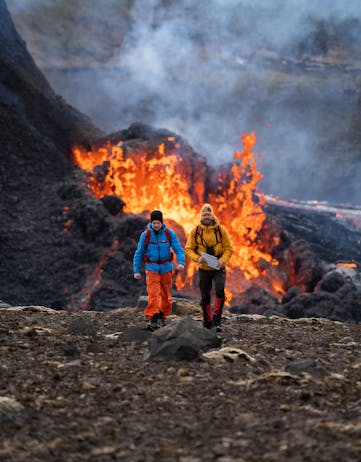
(81,326)
(31,308)
(229,354)
(346,340)
(69,350)
(305,365)
(9,406)
(135,334)
(181,340)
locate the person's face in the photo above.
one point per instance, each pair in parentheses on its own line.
(207,219)
(156,225)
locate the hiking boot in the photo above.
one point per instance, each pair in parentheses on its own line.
(217,328)
(152,326)
(153,323)
(161,319)
(207,324)
(207,316)
(217,323)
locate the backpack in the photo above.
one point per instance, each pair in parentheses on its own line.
(148,235)
(199,233)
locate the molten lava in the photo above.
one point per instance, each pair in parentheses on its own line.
(347,264)
(144,180)
(162,179)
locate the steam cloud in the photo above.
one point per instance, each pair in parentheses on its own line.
(214,69)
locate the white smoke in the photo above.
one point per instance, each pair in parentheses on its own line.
(214,69)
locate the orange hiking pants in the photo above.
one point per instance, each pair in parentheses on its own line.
(159,297)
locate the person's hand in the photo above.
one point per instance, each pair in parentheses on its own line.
(201,260)
(220,264)
(180,267)
(137,276)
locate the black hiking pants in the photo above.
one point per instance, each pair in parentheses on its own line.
(206,279)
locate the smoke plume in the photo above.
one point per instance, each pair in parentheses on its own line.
(214,69)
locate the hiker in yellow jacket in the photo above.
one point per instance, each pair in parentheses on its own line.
(212,238)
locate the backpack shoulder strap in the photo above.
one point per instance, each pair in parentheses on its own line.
(147,240)
(218,233)
(147,237)
(199,232)
(167,233)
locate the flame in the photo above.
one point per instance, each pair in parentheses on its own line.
(241,211)
(162,178)
(144,180)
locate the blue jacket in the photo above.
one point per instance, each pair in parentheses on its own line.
(159,249)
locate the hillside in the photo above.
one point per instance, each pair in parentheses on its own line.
(65,248)
(39,182)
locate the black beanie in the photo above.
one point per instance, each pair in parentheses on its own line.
(156,215)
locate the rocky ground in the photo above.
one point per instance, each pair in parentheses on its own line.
(80,386)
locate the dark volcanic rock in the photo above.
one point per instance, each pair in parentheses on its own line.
(37,130)
(254,300)
(317,304)
(113,204)
(331,282)
(81,326)
(336,296)
(291,293)
(53,233)
(328,237)
(181,340)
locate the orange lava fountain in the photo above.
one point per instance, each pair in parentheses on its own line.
(163,179)
(241,211)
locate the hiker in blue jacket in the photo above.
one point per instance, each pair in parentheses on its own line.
(154,247)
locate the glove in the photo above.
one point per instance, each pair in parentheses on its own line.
(180,268)
(137,276)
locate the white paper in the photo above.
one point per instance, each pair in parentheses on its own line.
(212,261)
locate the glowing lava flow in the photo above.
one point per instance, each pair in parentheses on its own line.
(144,180)
(347,264)
(82,299)
(163,179)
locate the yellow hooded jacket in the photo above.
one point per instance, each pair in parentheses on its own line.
(207,236)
